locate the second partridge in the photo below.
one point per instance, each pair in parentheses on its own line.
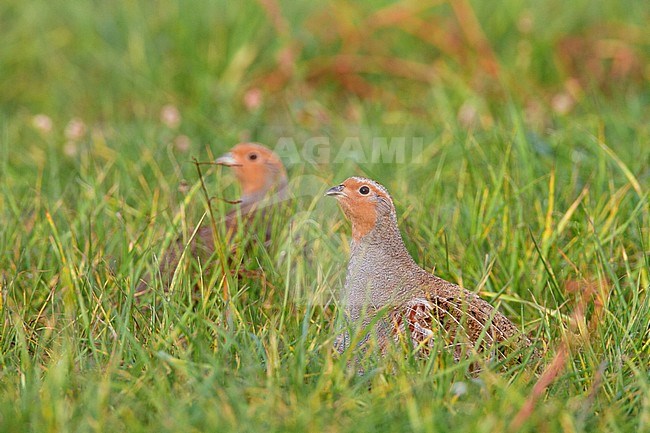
(263,181)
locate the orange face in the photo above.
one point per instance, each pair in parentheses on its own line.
(257,168)
(362,201)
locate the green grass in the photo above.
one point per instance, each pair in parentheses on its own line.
(543,210)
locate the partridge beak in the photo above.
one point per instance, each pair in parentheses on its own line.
(228,160)
(335,191)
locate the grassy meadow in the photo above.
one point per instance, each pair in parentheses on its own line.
(525,177)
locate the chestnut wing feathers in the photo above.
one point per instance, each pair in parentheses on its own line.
(453,324)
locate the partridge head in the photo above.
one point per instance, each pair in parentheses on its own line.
(258,170)
(366,204)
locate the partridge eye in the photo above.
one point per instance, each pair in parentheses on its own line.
(252,156)
(364,190)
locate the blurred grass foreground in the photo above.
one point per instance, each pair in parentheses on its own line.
(526,131)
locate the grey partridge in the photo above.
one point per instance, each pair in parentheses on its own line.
(421,307)
(263,181)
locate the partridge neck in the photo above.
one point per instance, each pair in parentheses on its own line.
(381,270)
(274,192)
(384,239)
